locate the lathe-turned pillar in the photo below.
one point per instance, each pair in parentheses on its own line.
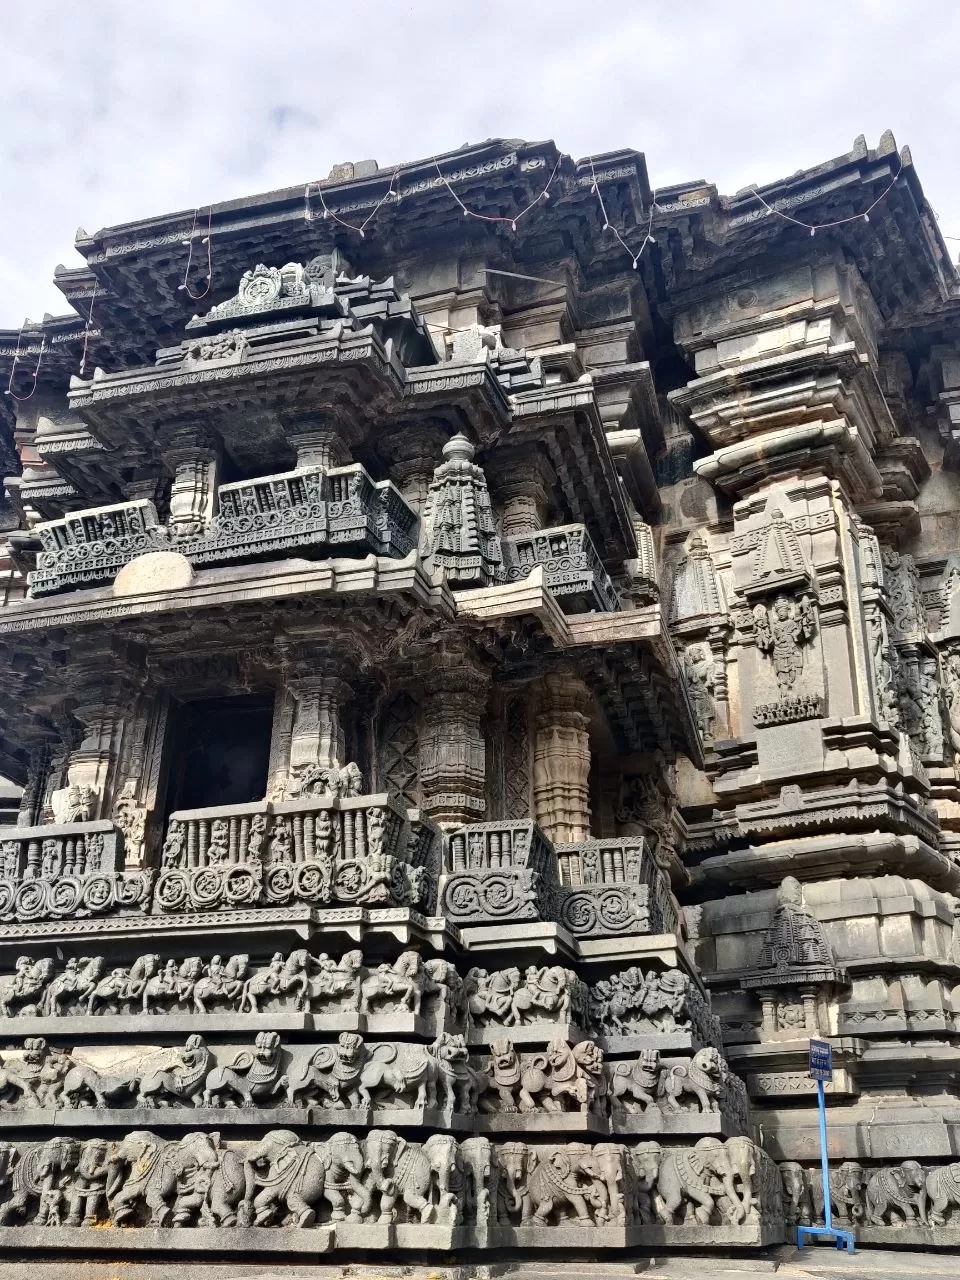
(194,456)
(308,746)
(561,759)
(452,749)
(522,487)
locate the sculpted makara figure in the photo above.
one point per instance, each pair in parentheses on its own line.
(702,1077)
(254,1078)
(565,1078)
(332,1075)
(182,1084)
(633,1085)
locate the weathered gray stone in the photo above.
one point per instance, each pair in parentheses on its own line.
(383,668)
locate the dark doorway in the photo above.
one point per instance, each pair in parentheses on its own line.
(220,752)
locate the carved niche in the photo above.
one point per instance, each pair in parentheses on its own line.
(797,970)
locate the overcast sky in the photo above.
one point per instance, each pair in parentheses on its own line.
(114,110)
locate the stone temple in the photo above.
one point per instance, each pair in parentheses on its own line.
(485,693)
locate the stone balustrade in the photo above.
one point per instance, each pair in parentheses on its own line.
(87,548)
(303,512)
(500,871)
(326,850)
(572,568)
(70,869)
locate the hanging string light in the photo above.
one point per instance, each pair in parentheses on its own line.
(514,218)
(86,330)
(308,214)
(608,225)
(814,227)
(16,360)
(208,241)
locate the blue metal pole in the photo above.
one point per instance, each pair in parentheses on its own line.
(824,1163)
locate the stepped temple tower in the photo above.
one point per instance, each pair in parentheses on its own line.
(485,693)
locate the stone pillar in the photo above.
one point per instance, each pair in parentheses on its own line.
(31,798)
(308,736)
(316,736)
(452,749)
(561,759)
(194,457)
(91,765)
(412,453)
(318,444)
(522,488)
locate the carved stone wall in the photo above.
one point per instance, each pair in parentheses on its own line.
(610,615)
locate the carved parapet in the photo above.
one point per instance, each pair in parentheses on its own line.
(87,548)
(341,508)
(499,871)
(573,570)
(611,887)
(345,850)
(307,511)
(71,869)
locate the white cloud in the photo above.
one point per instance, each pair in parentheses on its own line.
(114,111)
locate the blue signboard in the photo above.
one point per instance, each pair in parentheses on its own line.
(821,1060)
(821,1068)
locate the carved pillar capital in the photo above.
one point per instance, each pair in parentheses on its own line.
(522,484)
(318,441)
(561,762)
(411,452)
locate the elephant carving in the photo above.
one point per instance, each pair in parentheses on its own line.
(696,1179)
(797,1196)
(847,1184)
(142,1178)
(943,1193)
(37,1181)
(88,1184)
(897,1196)
(342,1158)
(284,1178)
(552,1184)
(403,1174)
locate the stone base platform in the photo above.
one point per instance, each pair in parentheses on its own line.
(362,1238)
